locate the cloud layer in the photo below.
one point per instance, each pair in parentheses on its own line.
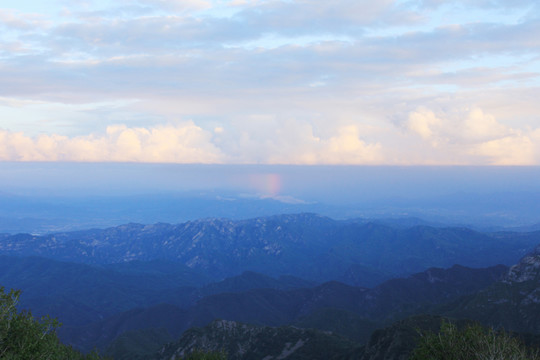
(185,143)
(271,81)
(476,137)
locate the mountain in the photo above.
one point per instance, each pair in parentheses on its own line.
(248,342)
(414,294)
(512,303)
(338,321)
(164,318)
(527,270)
(245,342)
(78,294)
(138,345)
(249,280)
(166,279)
(53,213)
(320,307)
(308,246)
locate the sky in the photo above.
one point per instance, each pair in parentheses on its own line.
(356,82)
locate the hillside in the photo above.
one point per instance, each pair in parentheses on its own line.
(79,294)
(512,303)
(310,306)
(248,342)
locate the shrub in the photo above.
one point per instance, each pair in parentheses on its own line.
(24,338)
(201,355)
(473,343)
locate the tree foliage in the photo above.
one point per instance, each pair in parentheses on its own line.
(473,342)
(24,338)
(202,355)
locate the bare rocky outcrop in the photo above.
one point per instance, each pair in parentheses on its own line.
(526,270)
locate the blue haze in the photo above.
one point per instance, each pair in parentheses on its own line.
(48,197)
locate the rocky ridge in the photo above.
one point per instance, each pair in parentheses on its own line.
(511,303)
(528,269)
(308,246)
(248,342)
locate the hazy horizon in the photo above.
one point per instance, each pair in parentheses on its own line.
(312,182)
(348,108)
(90,192)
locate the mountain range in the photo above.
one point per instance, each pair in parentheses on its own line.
(509,302)
(308,306)
(308,246)
(130,289)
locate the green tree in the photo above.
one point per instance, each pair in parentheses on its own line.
(24,338)
(473,343)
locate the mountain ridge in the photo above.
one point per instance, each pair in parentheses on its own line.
(308,246)
(277,307)
(511,303)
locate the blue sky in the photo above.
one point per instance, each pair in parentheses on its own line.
(413,82)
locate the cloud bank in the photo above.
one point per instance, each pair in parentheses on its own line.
(475,137)
(185,143)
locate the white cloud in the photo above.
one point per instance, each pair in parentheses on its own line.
(509,150)
(424,122)
(178,5)
(479,126)
(294,141)
(15,20)
(476,137)
(186,143)
(347,148)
